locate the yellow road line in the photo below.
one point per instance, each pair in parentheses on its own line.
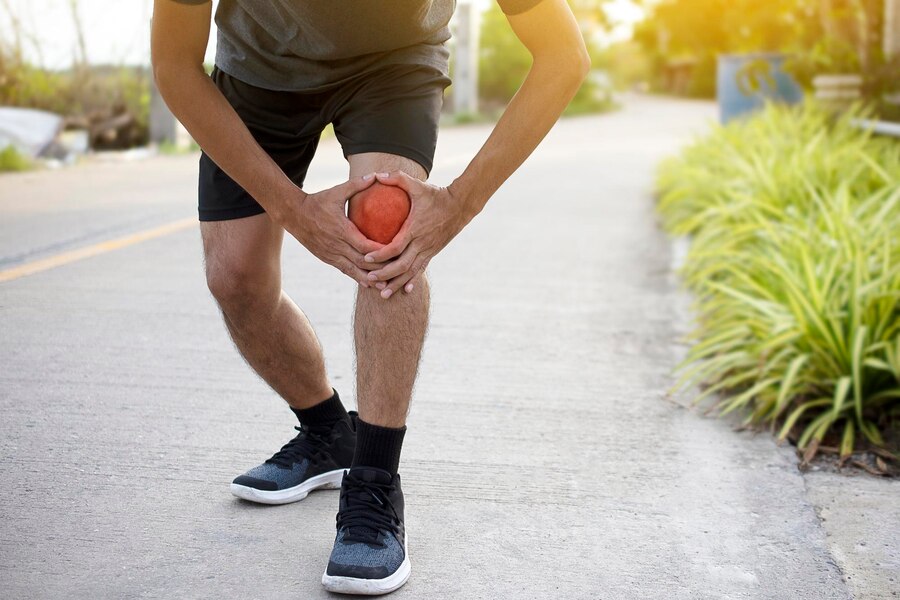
(88,251)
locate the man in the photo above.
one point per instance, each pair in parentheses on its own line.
(377,71)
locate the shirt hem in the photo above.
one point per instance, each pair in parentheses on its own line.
(435,56)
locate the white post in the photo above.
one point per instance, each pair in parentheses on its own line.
(163,125)
(465,72)
(891,28)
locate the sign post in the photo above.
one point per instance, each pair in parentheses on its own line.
(465,68)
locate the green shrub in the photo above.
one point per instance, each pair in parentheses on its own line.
(11,160)
(795,263)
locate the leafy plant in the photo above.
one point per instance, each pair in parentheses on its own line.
(11,160)
(795,263)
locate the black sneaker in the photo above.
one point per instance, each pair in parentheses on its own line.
(369,555)
(315,458)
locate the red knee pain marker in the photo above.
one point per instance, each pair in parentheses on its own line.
(379,211)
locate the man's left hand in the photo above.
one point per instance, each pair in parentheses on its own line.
(435,217)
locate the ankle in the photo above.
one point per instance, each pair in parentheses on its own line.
(378,446)
(325,413)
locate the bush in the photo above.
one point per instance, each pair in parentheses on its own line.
(795,263)
(11,160)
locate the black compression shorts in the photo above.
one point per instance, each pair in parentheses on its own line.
(394,109)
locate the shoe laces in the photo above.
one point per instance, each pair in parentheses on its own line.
(308,444)
(368,511)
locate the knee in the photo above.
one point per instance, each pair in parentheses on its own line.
(240,287)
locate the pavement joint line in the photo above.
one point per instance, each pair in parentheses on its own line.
(65,258)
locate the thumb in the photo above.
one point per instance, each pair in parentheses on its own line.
(402,180)
(355,185)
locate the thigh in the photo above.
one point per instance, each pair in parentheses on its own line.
(392,111)
(243,249)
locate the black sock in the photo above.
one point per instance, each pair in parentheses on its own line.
(325,413)
(378,446)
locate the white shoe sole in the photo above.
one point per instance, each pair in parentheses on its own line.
(329,481)
(369,587)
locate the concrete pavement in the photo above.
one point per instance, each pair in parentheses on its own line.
(543,458)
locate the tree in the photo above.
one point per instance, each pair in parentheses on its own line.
(832,35)
(503,61)
(82,59)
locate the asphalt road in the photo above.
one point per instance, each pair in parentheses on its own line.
(543,460)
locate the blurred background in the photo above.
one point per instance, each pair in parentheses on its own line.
(87,62)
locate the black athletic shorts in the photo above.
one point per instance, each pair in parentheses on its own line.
(394,109)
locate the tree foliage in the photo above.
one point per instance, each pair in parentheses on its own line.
(822,35)
(80,94)
(503,61)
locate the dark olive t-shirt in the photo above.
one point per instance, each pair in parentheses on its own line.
(313,44)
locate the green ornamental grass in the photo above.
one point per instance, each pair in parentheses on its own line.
(794,260)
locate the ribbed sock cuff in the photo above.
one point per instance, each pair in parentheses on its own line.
(327,412)
(378,446)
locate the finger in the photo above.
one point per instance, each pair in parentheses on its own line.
(344,248)
(369,266)
(400,282)
(355,238)
(395,285)
(405,182)
(395,248)
(396,267)
(357,259)
(411,284)
(354,185)
(352,271)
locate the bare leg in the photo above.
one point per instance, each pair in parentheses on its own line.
(243,271)
(388,333)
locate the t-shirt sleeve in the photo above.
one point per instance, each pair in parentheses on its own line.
(514,7)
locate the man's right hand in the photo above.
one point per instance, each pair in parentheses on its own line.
(319,222)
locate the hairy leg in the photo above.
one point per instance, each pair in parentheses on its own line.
(243,271)
(388,333)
